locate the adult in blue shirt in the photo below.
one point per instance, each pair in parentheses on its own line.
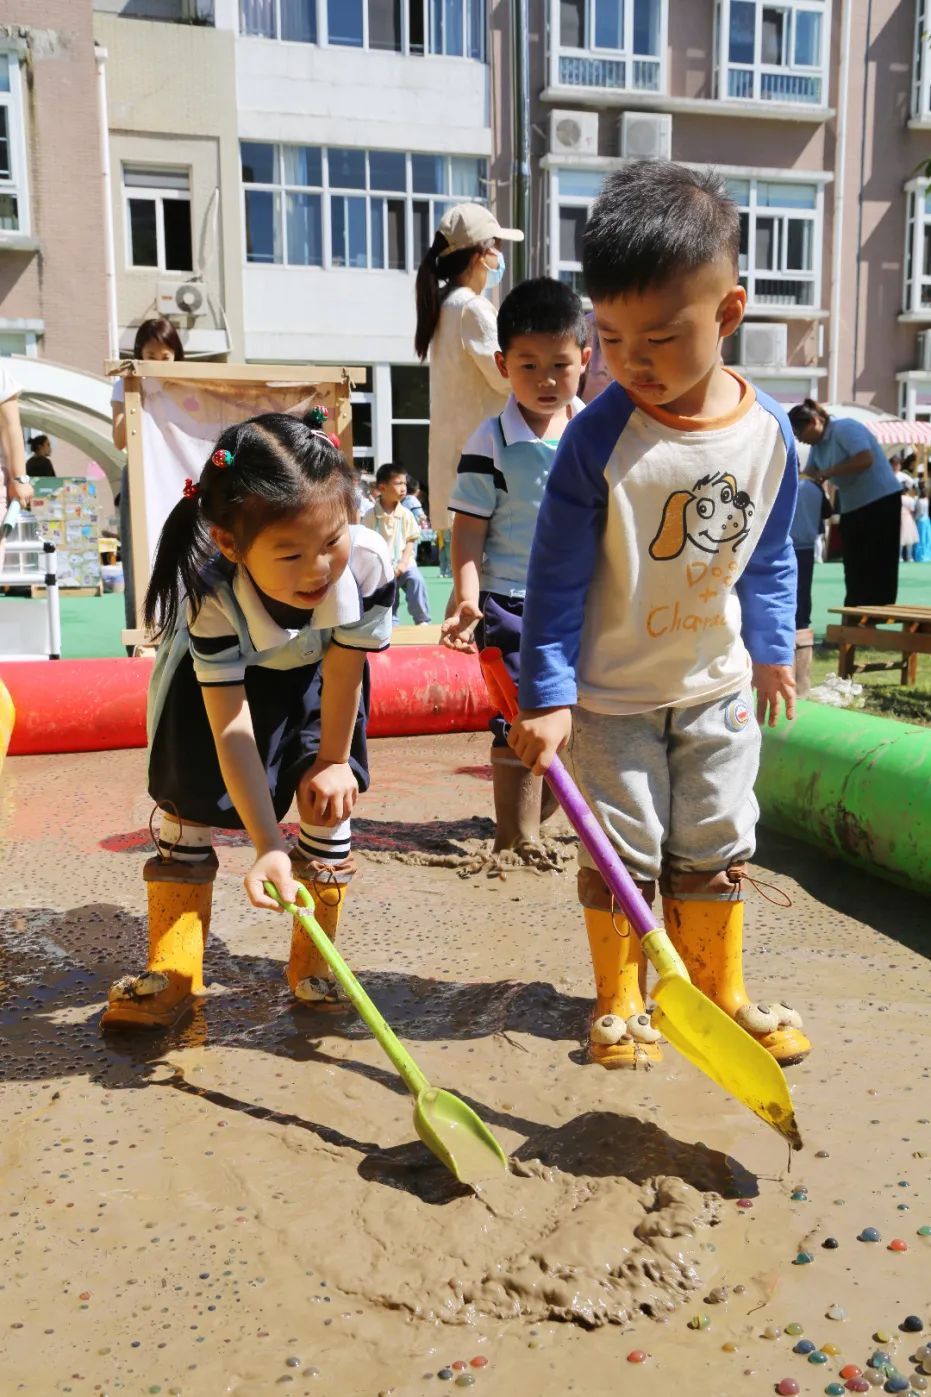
(846,452)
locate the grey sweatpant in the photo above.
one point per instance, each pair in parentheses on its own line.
(673,788)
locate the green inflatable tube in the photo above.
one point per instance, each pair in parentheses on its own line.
(856,786)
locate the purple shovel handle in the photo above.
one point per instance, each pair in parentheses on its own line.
(628,896)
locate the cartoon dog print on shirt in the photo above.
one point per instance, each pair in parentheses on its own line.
(710,515)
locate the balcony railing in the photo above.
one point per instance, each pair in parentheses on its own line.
(782,292)
(773,87)
(618,74)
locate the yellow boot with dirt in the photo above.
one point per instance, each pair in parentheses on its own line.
(708,934)
(180,897)
(621,1034)
(308,975)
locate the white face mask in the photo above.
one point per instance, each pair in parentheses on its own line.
(495,274)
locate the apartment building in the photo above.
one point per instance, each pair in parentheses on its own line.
(818,114)
(52,297)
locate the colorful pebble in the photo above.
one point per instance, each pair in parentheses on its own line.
(897,1384)
(924,1231)
(819,1356)
(445,1374)
(836,1312)
(788,1387)
(804,1346)
(636,1355)
(800,1195)
(830,1243)
(465,1380)
(830,1349)
(850,1370)
(728,1348)
(804,1257)
(479,1362)
(699,1322)
(771,1332)
(835,1389)
(881,1337)
(459,1364)
(869,1234)
(911,1324)
(858,1385)
(897,1244)
(745,1202)
(794,1328)
(879,1359)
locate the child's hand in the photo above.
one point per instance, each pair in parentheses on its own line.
(456,632)
(773,682)
(327,792)
(271,867)
(537,734)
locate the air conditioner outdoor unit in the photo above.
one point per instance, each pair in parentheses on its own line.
(763,346)
(924,351)
(573,133)
(645,135)
(181,298)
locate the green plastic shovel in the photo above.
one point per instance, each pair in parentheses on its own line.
(446,1125)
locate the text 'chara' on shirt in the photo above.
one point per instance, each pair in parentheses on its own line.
(661,557)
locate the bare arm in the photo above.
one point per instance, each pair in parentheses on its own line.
(468,545)
(13,452)
(119,426)
(852,465)
(328,790)
(247,783)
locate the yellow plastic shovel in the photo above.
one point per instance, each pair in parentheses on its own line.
(701,1031)
(447,1126)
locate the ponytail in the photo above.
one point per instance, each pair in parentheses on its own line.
(184,549)
(439,265)
(805,413)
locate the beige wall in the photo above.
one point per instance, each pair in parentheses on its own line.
(63,283)
(172,101)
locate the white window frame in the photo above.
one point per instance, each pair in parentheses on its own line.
(18,183)
(433,42)
(758,72)
(566,269)
(921,69)
(917,232)
(438,203)
(159,197)
(597,66)
(814,216)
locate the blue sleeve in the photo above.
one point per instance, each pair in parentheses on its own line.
(768,585)
(853,436)
(565,550)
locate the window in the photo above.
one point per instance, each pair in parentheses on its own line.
(455,28)
(362,403)
(158,218)
(918,251)
(780,241)
(14,206)
(410,417)
(573,193)
(921,98)
(609,43)
(773,53)
(307,206)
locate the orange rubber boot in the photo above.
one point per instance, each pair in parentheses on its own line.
(621,1034)
(180,896)
(709,937)
(308,974)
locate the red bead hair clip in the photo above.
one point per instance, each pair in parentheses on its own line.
(191,490)
(222,459)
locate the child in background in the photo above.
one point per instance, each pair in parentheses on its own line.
(661,586)
(411,500)
(495,502)
(400,530)
(266,600)
(812,510)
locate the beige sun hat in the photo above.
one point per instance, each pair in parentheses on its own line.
(467,225)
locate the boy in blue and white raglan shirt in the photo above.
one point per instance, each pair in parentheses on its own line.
(661,588)
(496,499)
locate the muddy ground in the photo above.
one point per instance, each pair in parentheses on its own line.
(241,1205)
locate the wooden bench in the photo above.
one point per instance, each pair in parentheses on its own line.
(870,626)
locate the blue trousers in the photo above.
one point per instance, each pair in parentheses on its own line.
(415,590)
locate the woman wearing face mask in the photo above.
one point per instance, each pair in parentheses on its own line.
(457,326)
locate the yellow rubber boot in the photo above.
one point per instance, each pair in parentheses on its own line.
(709,937)
(621,1034)
(180,897)
(308,974)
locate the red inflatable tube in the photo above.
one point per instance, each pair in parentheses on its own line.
(99,705)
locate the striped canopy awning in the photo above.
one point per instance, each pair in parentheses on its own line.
(893,431)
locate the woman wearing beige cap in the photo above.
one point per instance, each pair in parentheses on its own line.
(458,328)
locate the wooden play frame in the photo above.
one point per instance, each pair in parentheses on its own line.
(326,384)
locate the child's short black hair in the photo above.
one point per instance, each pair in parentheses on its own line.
(541,306)
(388,471)
(653,220)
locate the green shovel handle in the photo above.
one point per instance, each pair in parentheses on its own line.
(414,1079)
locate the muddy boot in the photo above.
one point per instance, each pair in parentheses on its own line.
(621,1034)
(180,897)
(517,795)
(709,937)
(308,974)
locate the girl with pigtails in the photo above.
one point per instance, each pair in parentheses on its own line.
(266,599)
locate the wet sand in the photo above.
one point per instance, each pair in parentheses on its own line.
(241,1205)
